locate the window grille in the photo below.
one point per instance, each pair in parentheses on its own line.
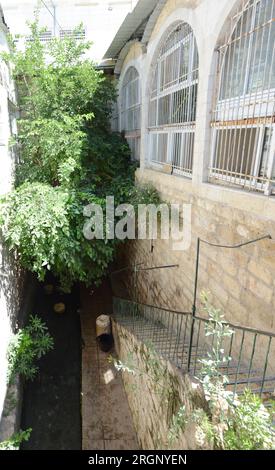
(115,117)
(72,33)
(134,144)
(243,138)
(44,36)
(172,110)
(130,110)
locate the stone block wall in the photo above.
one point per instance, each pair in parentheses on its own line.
(241,281)
(154,401)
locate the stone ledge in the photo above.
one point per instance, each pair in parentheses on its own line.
(263,206)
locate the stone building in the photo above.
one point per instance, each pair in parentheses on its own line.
(196,96)
(100,19)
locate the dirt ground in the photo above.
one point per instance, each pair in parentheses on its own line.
(52,402)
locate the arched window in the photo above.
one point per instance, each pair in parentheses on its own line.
(173,98)
(130,110)
(243,121)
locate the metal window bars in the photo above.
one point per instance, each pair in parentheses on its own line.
(115,117)
(243,136)
(47,36)
(78,34)
(133,140)
(172,107)
(130,110)
(44,37)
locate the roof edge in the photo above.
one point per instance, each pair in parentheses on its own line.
(151,23)
(131,28)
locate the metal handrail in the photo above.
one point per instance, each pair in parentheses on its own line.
(180,338)
(240,327)
(178,312)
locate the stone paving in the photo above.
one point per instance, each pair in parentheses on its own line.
(106,418)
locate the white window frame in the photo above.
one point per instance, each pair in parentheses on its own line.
(169,90)
(248,107)
(131,134)
(252,181)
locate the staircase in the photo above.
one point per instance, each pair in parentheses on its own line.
(180,338)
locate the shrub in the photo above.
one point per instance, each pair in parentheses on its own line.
(68,158)
(27,346)
(245,422)
(14,442)
(250,427)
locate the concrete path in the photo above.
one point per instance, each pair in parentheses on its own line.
(106,417)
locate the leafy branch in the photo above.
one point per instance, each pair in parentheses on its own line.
(14,442)
(69,158)
(27,346)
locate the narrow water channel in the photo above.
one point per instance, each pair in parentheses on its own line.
(51,402)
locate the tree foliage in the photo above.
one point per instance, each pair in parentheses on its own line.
(15,441)
(27,346)
(68,158)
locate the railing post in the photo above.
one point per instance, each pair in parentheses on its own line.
(135,297)
(194,307)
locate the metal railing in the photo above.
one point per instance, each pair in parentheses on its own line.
(180,338)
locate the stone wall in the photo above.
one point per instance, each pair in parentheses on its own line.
(17,297)
(154,401)
(11,276)
(240,281)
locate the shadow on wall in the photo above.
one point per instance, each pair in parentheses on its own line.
(11,284)
(16,294)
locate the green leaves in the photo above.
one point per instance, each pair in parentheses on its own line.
(179,421)
(26,347)
(44,225)
(34,216)
(250,426)
(247,425)
(57,87)
(14,442)
(68,158)
(51,150)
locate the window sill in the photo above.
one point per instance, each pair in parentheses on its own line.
(253,202)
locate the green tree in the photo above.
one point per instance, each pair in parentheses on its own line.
(68,158)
